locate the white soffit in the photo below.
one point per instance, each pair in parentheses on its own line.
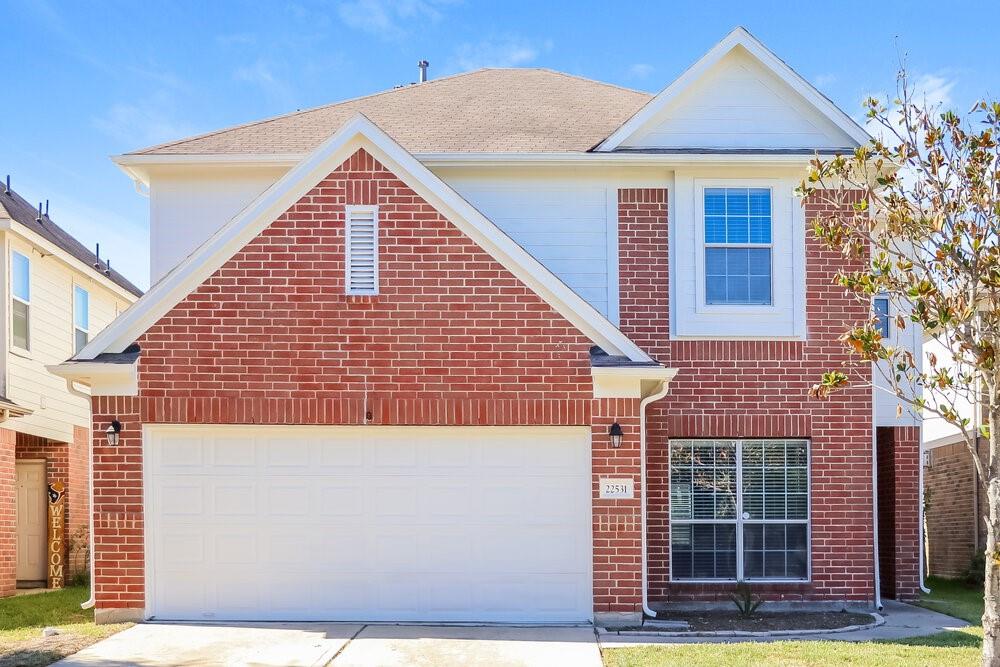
(359,132)
(746,51)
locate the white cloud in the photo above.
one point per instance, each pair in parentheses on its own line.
(388,19)
(823,80)
(506,51)
(930,90)
(146,122)
(262,74)
(640,70)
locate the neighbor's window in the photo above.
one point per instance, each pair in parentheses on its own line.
(881,308)
(81,317)
(737,246)
(20,273)
(739,510)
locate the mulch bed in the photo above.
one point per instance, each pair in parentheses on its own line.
(763,621)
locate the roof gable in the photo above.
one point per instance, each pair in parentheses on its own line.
(357,133)
(739,95)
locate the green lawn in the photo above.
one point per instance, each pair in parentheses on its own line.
(953,649)
(23,617)
(954,598)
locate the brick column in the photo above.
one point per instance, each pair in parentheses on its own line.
(119,572)
(78,515)
(617,528)
(8,514)
(899,516)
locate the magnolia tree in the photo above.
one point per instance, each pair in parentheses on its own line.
(922,202)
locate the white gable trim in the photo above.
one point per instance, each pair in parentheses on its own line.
(359,132)
(738,37)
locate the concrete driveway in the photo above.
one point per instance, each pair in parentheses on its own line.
(339,645)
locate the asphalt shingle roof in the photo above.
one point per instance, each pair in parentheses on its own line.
(18,208)
(488,110)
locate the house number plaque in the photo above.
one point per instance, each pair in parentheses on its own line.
(617,488)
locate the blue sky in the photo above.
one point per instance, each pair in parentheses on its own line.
(84,81)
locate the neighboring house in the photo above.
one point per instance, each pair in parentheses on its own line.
(510,346)
(956,500)
(57,296)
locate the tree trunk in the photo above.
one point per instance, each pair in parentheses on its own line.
(991,612)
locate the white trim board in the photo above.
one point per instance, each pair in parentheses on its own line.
(739,37)
(359,132)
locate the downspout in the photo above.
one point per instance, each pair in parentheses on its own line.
(90,491)
(875,554)
(920,516)
(660,392)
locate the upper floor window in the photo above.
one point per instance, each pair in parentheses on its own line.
(81,318)
(881,308)
(737,246)
(20,274)
(361,250)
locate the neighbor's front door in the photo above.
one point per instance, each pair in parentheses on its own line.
(32,521)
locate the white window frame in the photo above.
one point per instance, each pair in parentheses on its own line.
(739,520)
(14,346)
(349,211)
(75,328)
(701,300)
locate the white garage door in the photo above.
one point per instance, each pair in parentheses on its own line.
(369,523)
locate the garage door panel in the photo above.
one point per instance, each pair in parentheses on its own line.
(370,523)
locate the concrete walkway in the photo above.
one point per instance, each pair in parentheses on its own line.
(339,645)
(901,620)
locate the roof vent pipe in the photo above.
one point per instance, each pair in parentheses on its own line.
(423,70)
(97,254)
(7,189)
(46,208)
(107,270)
(39,217)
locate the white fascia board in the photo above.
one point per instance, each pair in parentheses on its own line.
(103,379)
(137,167)
(738,37)
(359,132)
(69,260)
(139,170)
(628,381)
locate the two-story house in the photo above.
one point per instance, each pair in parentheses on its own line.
(512,346)
(57,295)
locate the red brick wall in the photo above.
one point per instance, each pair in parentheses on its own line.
(955,509)
(617,530)
(8,514)
(452,338)
(755,389)
(898,508)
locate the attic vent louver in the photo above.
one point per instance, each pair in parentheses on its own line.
(362,250)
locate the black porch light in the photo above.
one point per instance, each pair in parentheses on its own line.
(616,435)
(113,432)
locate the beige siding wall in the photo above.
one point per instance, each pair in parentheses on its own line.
(28,383)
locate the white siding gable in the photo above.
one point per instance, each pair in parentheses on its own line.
(739,103)
(570,227)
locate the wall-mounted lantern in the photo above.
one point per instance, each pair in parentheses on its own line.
(113,432)
(616,435)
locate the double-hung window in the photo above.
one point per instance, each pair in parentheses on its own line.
(81,318)
(739,510)
(20,278)
(738,246)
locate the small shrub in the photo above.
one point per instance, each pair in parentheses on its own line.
(746,601)
(976,574)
